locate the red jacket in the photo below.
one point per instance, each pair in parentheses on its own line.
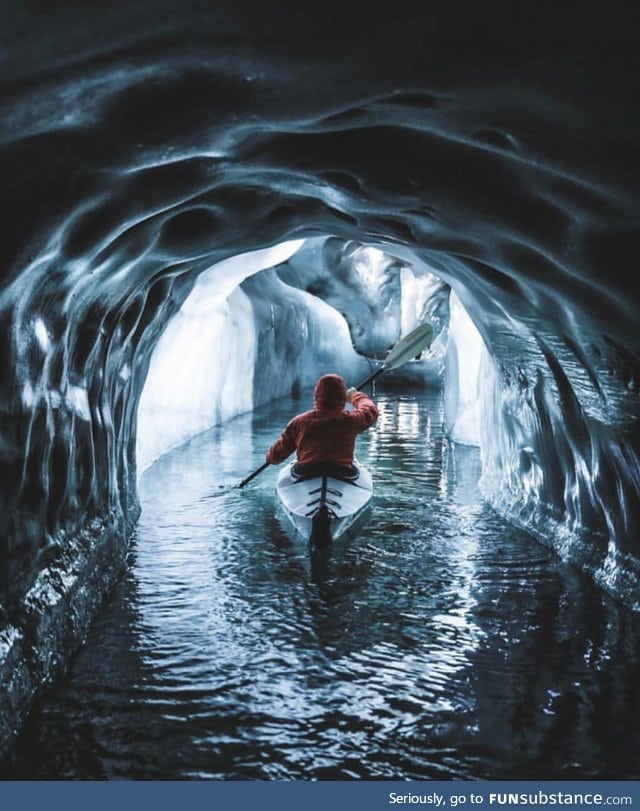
(328,433)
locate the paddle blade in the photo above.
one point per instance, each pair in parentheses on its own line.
(411,345)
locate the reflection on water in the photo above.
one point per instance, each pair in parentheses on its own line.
(439,643)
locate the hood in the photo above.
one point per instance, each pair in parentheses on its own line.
(330,393)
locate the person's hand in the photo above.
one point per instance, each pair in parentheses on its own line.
(350,393)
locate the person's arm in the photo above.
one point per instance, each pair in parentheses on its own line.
(365,410)
(284,446)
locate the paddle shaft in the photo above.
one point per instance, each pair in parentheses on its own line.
(371,378)
(254,474)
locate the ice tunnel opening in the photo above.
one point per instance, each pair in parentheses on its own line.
(266,324)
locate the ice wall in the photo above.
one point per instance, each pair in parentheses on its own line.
(201,373)
(299,338)
(561,471)
(553,461)
(462,382)
(202,367)
(381,296)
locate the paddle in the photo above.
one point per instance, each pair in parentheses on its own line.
(408,347)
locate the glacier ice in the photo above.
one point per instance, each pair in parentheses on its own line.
(132,165)
(201,373)
(465,352)
(381,296)
(201,370)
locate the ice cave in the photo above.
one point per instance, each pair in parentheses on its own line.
(207,206)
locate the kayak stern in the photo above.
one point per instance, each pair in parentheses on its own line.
(324,507)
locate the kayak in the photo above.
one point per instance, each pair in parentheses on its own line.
(325,502)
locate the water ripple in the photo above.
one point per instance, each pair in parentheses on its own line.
(440,643)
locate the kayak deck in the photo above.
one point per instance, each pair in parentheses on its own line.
(324,507)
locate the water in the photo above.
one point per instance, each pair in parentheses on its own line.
(441,643)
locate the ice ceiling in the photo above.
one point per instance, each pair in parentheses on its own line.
(495,144)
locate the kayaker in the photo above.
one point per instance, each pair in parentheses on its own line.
(326,436)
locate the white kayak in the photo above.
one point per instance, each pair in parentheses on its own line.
(323,507)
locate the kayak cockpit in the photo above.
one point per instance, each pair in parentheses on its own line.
(318,469)
(323,501)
